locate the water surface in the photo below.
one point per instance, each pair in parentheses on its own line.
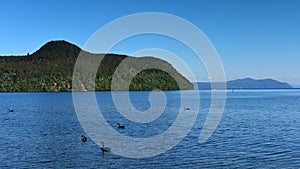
(259,128)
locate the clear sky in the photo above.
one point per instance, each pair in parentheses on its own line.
(254,38)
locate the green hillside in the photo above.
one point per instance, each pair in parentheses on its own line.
(51,69)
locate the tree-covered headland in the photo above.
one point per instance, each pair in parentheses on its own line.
(51,69)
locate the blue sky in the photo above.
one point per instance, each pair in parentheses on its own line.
(254,38)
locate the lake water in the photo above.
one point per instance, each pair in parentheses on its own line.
(258,129)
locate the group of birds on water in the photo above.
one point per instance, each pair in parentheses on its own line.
(102,148)
(107,149)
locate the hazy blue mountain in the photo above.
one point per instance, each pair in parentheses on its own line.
(295,86)
(249,83)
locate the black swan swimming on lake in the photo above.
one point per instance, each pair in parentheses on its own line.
(104,149)
(119,126)
(83,139)
(186,108)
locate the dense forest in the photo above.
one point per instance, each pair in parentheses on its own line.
(51,69)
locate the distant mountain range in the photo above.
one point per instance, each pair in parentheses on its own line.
(51,69)
(296,86)
(248,83)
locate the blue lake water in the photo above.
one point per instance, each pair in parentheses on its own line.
(258,129)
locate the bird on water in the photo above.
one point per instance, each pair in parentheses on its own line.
(83,138)
(104,149)
(186,108)
(10,110)
(119,126)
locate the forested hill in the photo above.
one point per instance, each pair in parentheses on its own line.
(51,69)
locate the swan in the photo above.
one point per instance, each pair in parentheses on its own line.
(83,139)
(186,108)
(119,126)
(104,149)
